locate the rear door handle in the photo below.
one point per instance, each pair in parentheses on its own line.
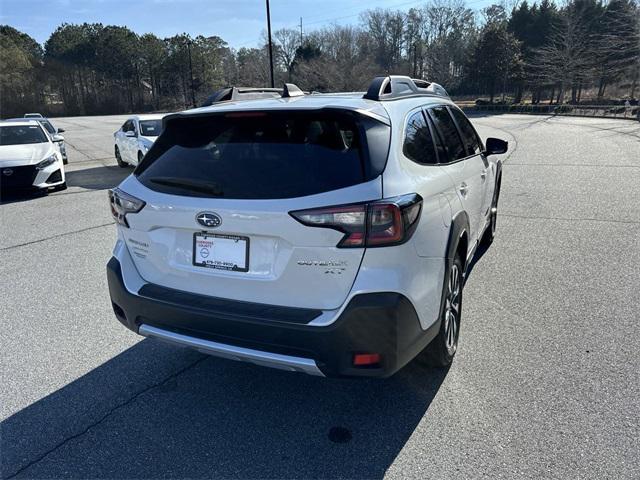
(463,189)
(483,175)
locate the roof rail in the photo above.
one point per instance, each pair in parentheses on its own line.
(233,93)
(393,87)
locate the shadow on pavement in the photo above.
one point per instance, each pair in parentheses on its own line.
(159,411)
(97,178)
(479,253)
(16,196)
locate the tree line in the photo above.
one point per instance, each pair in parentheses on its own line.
(583,50)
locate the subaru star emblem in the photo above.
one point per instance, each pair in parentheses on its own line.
(7,171)
(209,219)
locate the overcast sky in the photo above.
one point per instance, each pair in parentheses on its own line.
(239,22)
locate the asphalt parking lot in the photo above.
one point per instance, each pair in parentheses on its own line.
(546,381)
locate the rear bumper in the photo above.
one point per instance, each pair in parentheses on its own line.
(384,323)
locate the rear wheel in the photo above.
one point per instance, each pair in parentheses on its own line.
(121,163)
(442,349)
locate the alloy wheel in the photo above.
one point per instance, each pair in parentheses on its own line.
(452,309)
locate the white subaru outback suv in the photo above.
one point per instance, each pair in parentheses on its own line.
(325,233)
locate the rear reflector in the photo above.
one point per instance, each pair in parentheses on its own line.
(366,359)
(387,222)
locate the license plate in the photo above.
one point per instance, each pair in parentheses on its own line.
(222,252)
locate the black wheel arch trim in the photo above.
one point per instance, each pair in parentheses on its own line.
(459,226)
(496,189)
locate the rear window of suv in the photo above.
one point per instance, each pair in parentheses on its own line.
(258,155)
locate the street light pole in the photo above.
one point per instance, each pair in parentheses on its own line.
(193,94)
(270,44)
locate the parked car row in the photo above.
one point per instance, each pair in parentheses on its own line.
(33,153)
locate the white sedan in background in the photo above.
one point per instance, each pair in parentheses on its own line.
(29,159)
(135,137)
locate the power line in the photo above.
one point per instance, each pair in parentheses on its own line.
(333,19)
(369,4)
(360,12)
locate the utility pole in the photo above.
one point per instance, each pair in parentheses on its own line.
(300,31)
(270,45)
(193,93)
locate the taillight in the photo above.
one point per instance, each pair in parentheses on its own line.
(122,203)
(387,222)
(348,219)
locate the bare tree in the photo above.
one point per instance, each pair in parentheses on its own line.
(565,60)
(287,43)
(386,34)
(449,30)
(343,62)
(618,44)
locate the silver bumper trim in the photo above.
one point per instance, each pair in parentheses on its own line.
(266,359)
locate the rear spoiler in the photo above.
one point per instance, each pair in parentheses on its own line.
(379,115)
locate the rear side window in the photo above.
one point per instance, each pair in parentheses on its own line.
(442,152)
(150,128)
(258,155)
(469,135)
(450,136)
(418,142)
(47,126)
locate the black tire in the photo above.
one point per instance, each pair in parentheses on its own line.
(140,157)
(442,349)
(121,163)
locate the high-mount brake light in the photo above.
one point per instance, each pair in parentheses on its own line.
(382,223)
(121,204)
(245,114)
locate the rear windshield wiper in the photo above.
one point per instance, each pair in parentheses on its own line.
(201,186)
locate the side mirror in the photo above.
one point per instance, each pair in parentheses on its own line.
(61,130)
(495,146)
(57,138)
(129,133)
